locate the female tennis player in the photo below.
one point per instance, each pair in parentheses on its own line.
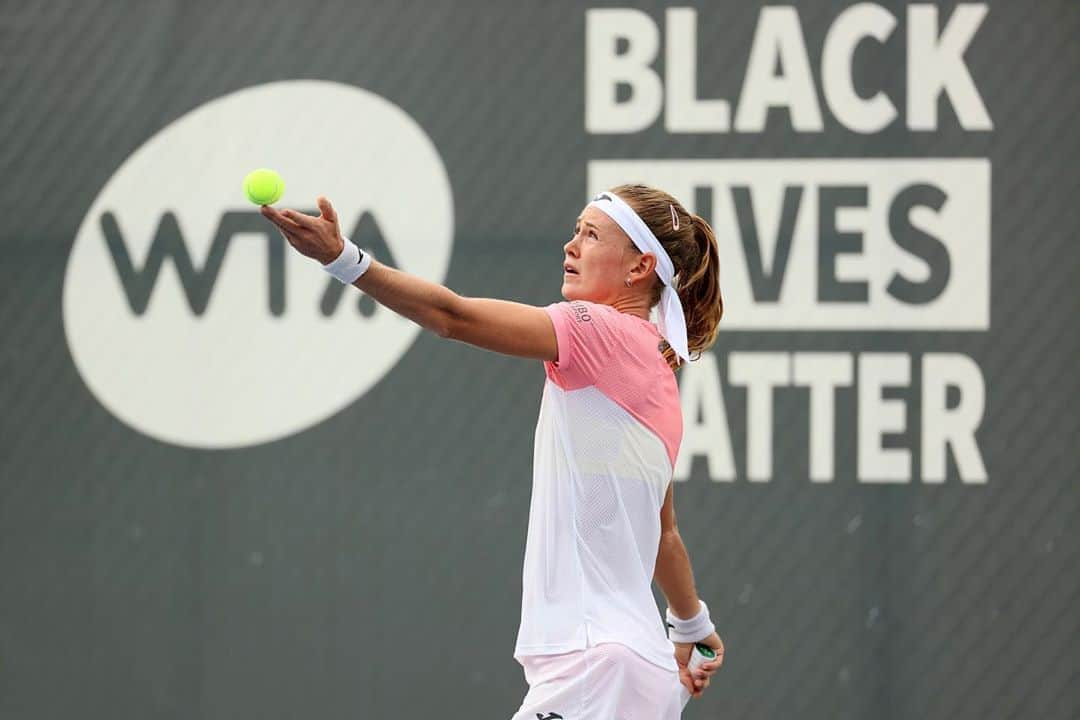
(601,521)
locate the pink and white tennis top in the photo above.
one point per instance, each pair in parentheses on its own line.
(606,441)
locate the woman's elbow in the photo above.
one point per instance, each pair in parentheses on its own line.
(670,538)
(447,322)
(446,327)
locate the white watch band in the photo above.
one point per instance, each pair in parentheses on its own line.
(691,630)
(350,264)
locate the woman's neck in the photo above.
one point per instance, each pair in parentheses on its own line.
(637,306)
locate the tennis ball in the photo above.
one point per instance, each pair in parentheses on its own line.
(263,187)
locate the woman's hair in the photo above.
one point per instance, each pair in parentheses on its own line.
(694,254)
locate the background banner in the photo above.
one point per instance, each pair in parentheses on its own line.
(232,488)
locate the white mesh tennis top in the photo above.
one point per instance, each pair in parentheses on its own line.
(606,441)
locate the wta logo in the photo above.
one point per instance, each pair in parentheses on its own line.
(188,316)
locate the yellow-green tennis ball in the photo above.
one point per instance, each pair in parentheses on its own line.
(263,187)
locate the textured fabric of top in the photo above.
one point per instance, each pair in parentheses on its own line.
(606,441)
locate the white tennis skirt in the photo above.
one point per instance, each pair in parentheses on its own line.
(605,682)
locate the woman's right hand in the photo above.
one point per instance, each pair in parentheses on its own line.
(698,680)
(318,238)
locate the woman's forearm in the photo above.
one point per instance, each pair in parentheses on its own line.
(503,326)
(674,576)
(428,304)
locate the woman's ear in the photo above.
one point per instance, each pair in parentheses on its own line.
(644,267)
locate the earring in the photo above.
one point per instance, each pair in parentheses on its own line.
(628,283)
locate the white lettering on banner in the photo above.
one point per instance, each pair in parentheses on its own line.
(827,244)
(864,20)
(778,41)
(606,68)
(685,112)
(705,423)
(823,373)
(764,375)
(878,416)
(622,45)
(761,373)
(943,427)
(936,64)
(838,244)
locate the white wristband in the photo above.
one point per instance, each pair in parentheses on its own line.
(691,630)
(350,264)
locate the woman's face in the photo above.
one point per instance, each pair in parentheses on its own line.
(597,259)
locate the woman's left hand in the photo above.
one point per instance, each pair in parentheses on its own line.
(698,680)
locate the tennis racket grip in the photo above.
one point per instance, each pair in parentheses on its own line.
(698,656)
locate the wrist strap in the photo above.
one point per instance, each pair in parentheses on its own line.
(691,630)
(350,264)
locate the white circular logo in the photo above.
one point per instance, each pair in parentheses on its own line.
(187,314)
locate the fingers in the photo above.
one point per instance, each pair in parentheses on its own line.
(695,681)
(706,671)
(327,210)
(276,217)
(700,677)
(302,220)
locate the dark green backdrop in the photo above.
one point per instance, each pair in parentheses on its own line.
(369,565)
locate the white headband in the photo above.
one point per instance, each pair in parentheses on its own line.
(672,320)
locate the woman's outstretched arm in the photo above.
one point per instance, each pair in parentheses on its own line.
(503,326)
(499,325)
